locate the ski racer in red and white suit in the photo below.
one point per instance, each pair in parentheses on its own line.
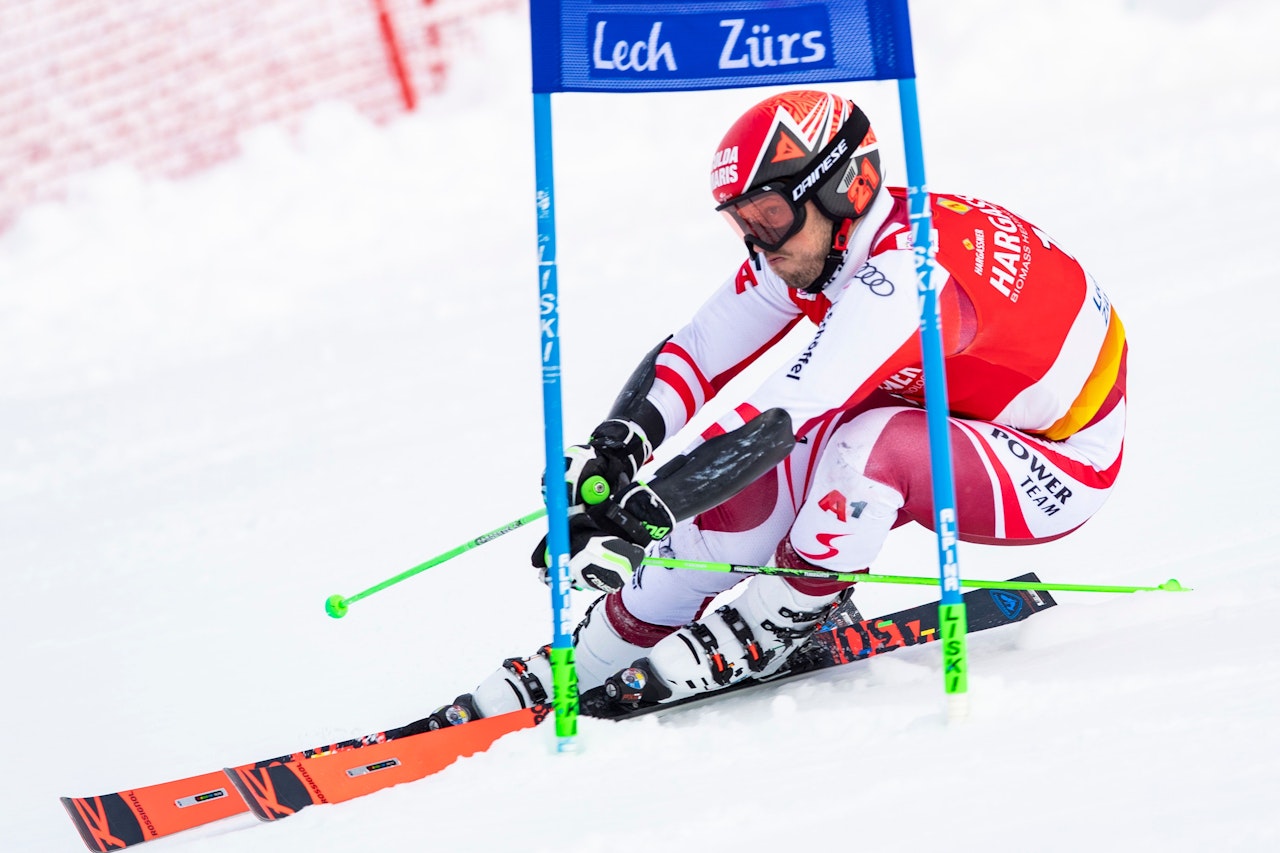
(1035,361)
(817,465)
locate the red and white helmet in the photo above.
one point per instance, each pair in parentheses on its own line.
(815,145)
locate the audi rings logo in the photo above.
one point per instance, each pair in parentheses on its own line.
(875,280)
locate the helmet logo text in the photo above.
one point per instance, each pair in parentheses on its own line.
(820,170)
(724,167)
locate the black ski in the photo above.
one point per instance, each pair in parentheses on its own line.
(848,638)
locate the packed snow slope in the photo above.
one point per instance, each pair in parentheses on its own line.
(223,400)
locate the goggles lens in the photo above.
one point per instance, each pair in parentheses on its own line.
(765,217)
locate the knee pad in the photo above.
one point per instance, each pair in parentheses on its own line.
(845,518)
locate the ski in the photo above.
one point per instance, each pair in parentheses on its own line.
(115,821)
(332,773)
(848,638)
(121,819)
(278,789)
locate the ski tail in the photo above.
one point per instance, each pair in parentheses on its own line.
(279,788)
(119,820)
(1014,605)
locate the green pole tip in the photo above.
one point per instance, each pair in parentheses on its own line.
(1172,585)
(595,490)
(336,606)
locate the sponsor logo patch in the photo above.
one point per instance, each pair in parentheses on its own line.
(1010,604)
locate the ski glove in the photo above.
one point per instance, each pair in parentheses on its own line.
(598,560)
(605,464)
(636,514)
(606,544)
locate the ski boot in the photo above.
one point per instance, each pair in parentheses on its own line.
(519,683)
(599,649)
(753,637)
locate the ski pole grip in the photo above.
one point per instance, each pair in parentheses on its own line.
(595,490)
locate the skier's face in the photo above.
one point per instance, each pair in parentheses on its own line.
(800,260)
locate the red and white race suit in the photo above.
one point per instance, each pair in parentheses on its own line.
(1035,359)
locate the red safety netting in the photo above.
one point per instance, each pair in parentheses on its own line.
(168,87)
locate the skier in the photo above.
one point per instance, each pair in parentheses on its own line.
(830,453)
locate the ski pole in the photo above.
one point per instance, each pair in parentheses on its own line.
(336,605)
(1170,585)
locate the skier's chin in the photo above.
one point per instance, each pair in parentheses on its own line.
(794,274)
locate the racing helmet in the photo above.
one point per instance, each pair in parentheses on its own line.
(802,145)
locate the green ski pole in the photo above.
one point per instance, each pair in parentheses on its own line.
(862,577)
(336,605)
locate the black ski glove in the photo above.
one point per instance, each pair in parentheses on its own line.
(607,543)
(605,464)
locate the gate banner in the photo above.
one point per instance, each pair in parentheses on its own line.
(606,46)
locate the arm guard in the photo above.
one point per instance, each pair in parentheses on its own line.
(725,465)
(632,403)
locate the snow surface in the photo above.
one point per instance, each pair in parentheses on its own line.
(227,398)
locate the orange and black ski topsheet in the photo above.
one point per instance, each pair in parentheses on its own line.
(115,821)
(278,788)
(119,820)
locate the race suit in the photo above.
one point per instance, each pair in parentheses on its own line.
(1035,366)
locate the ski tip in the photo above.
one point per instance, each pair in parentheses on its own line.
(251,798)
(1172,585)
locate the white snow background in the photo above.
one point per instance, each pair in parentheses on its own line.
(226,398)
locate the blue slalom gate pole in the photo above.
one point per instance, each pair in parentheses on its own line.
(951,609)
(563,674)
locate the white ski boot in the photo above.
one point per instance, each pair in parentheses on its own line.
(751,637)
(519,683)
(523,682)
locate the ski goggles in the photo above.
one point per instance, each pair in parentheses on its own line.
(766,217)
